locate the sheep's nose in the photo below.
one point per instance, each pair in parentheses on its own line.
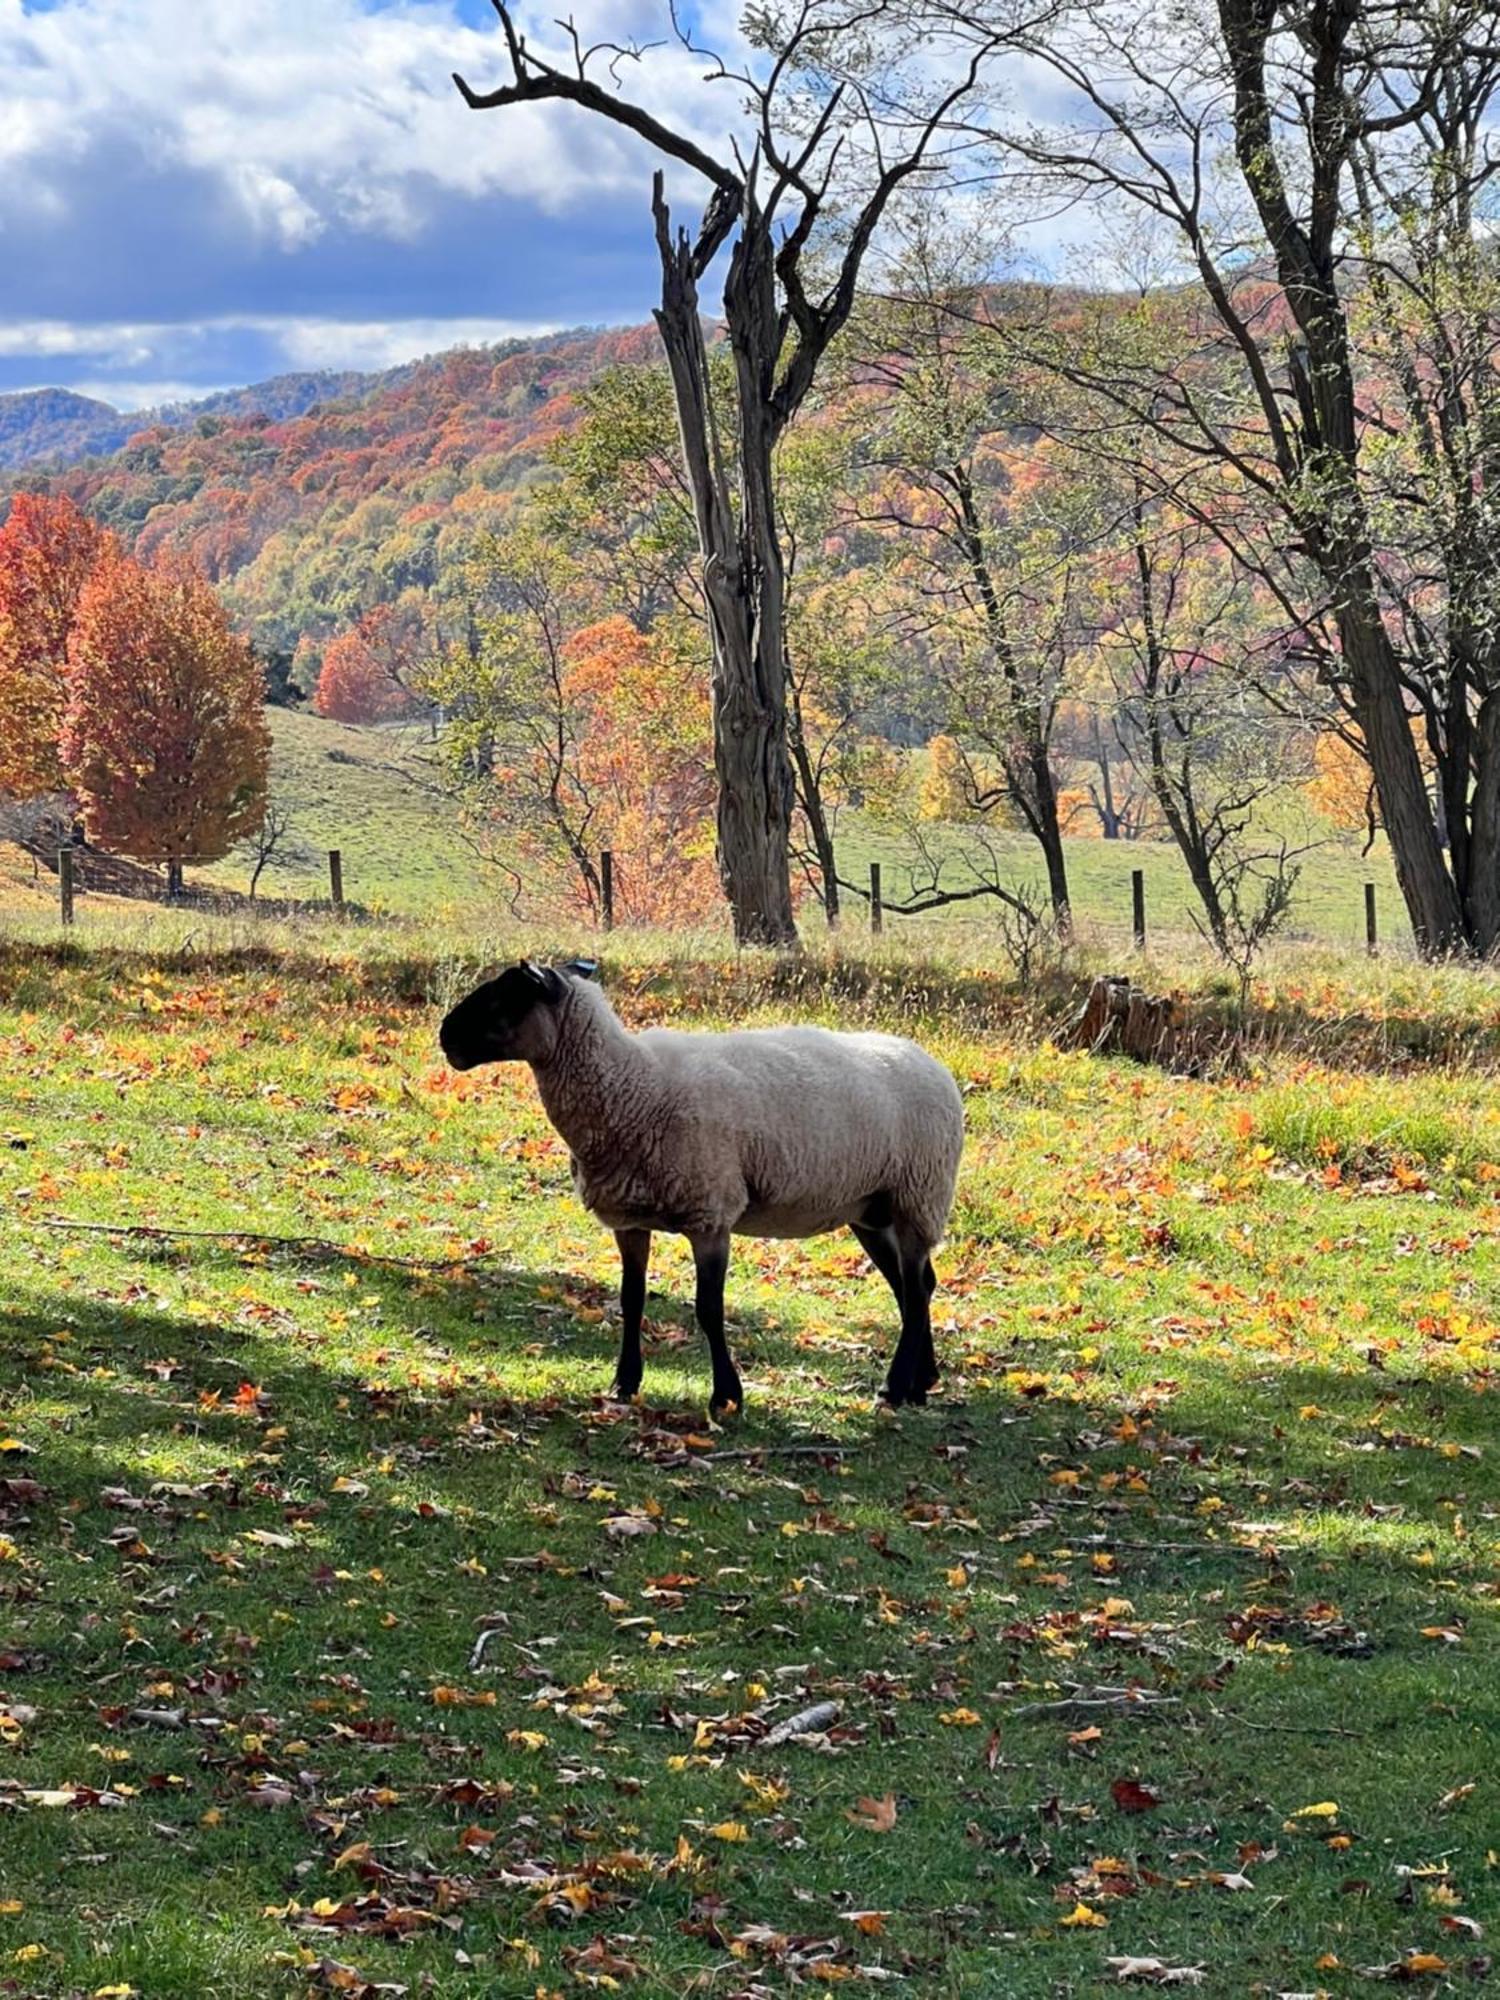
(449,1044)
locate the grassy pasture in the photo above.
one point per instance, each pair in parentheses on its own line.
(1168,1631)
(368,793)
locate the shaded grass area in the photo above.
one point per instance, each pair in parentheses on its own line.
(1217,1431)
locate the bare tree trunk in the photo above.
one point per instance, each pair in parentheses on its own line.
(1482,890)
(1109,818)
(744,587)
(1429,891)
(1036,792)
(810,797)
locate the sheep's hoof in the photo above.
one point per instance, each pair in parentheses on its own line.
(726,1402)
(899,1393)
(623,1390)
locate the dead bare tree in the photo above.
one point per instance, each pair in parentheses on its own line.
(272,834)
(832,120)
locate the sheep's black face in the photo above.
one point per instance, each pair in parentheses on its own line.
(497,1022)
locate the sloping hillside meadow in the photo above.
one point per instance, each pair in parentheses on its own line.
(354,1641)
(372,794)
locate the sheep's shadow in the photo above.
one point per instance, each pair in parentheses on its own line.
(480,1313)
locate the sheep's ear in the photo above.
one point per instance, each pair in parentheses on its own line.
(582,968)
(544,982)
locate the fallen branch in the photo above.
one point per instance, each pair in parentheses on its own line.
(804,1723)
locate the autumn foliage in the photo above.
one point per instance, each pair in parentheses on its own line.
(47,551)
(362,677)
(164,741)
(645,759)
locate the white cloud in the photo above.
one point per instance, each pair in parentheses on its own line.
(109,357)
(306,115)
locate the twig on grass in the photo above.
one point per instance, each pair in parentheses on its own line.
(1288,1728)
(1121,1701)
(772,1451)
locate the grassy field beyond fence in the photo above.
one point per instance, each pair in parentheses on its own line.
(371,794)
(351,1640)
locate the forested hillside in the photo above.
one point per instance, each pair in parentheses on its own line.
(47,427)
(305,520)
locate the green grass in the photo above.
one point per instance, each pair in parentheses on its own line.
(1217,1427)
(370,793)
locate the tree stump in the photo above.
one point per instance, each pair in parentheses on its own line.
(1118,1019)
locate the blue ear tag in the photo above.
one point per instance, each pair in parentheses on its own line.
(582,968)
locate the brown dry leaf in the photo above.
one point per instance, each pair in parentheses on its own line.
(874,1815)
(1131,1796)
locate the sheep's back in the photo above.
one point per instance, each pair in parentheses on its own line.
(819,1121)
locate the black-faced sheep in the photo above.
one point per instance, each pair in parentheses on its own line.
(758,1132)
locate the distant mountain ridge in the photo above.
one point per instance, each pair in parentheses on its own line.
(51,427)
(311,498)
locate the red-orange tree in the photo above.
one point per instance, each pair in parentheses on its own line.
(364,672)
(645,757)
(164,740)
(47,550)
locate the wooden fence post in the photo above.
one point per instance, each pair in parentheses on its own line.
(1372,935)
(877,908)
(1138,906)
(65,882)
(336,877)
(607,888)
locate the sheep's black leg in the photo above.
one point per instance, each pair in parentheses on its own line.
(879,1245)
(711,1258)
(635,1255)
(914,1365)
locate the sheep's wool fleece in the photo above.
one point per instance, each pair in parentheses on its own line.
(764,1132)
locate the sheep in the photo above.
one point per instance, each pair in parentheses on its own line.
(773,1132)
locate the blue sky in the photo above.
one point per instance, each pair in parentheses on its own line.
(198,193)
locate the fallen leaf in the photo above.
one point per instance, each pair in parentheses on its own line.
(1131,1796)
(874,1815)
(1082,1918)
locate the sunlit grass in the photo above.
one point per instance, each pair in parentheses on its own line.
(1217,1426)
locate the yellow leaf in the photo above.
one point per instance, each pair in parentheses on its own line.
(959,1718)
(729,1830)
(24,1954)
(958,1577)
(526,1739)
(1327,1810)
(360,1850)
(1083,1918)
